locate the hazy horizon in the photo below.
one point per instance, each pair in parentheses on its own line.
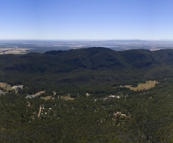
(87,40)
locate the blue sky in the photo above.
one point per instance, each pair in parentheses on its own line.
(86,19)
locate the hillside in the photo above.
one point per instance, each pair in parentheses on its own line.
(92,95)
(91,58)
(91,64)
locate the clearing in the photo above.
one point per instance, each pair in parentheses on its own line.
(142,86)
(67,97)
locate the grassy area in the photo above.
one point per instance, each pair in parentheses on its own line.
(142,86)
(67,97)
(46,98)
(5,86)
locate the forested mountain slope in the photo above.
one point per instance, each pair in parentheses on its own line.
(91,58)
(90,64)
(92,95)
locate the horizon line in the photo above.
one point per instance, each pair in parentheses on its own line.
(86,39)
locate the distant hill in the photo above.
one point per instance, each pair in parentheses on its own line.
(90,64)
(89,58)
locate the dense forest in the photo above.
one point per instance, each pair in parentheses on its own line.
(92,95)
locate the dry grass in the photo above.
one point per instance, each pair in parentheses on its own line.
(5,86)
(143,86)
(28,104)
(67,97)
(47,97)
(39,93)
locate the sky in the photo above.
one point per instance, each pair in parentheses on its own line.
(86,19)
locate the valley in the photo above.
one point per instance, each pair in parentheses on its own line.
(87,95)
